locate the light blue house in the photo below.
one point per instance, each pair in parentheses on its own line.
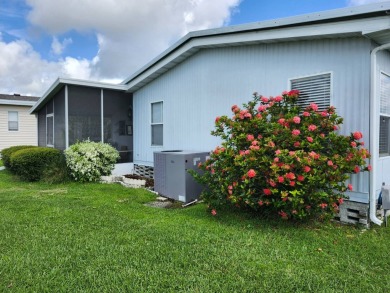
(337,57)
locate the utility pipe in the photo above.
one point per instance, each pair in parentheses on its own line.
(374,133)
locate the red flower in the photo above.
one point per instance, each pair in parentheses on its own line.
(292,183)
(260,202)
(295,132)
(356,169)
(323,205)
(297,144)
(306,169)
(341,200)
(235,109)
(306,114)
(267,191)
(309,139)
(250,137)
(314,106)
(264,99)
(357,135)
(283,215)
(262,108)
(350,187)
(272,183)
(281,121)
(353,144)
(217,119)
(278,99)
(369,168)
(290,176)
(280,179)
(312,127)
(330,163)
(297,120)
(300,178)
(277,152)
(251,173)
(213,212)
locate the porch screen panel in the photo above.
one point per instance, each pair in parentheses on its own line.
(313,89)
(59,124)
(42,127)
(84,114)
(118,123)
(384,145)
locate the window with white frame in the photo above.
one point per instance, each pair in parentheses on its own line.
(313,89)
(50,130)
(13,121)
(384,146)
(157,123)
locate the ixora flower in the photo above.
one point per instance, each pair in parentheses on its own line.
(269,165)
(213,212)
(251,173)
(357,135)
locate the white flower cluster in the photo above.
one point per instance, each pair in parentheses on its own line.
(88,160)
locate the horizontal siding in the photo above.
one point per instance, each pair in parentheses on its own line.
(27,133)
(208,83)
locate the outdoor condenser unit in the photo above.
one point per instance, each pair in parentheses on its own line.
(171,177)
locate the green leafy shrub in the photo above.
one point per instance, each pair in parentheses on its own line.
(277,159)
(7,153)
(89,160)
(30,163)
(57,172)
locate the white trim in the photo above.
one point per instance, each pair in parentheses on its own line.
(18,121)
(102,115)
(17,103)
(66,117)
(160,123)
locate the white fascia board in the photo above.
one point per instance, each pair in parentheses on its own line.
(63,81)
(17,103)
(352,28)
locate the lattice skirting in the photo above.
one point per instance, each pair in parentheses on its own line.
(144,171)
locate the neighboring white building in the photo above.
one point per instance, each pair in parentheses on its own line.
(338,57)
(17,125)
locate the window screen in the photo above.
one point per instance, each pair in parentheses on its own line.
(13,121)
(313,89)
(157,123)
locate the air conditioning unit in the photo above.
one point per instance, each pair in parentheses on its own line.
(171,177)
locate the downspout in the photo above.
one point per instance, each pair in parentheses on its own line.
(374,137)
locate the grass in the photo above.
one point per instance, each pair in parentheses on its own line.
(101,238)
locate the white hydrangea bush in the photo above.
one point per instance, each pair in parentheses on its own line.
(88,160)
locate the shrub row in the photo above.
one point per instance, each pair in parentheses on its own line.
(32,163)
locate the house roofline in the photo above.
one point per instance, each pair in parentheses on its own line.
(318,18)
(61,82)
(17,102)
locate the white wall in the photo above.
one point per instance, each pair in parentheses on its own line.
(207,84)
(27,133)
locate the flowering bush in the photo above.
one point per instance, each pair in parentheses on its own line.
(89,160)
(280,159)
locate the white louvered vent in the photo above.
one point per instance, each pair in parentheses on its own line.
(313,89)
(384,136)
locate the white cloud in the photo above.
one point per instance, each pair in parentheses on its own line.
(58,47)
(129,34)
(362,2)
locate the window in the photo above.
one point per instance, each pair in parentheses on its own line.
(384,149)
(313,89)
(13,121)
(50,130)
(157,123)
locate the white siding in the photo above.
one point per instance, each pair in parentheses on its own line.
(27,133)
(208,83)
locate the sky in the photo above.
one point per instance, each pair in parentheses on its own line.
(108,40)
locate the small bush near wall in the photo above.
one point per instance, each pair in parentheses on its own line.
(31,163)
(7,153)
(278,159)
(89,160)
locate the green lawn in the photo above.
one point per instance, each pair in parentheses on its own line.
(101,238)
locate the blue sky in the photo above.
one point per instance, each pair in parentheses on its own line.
(107,40)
